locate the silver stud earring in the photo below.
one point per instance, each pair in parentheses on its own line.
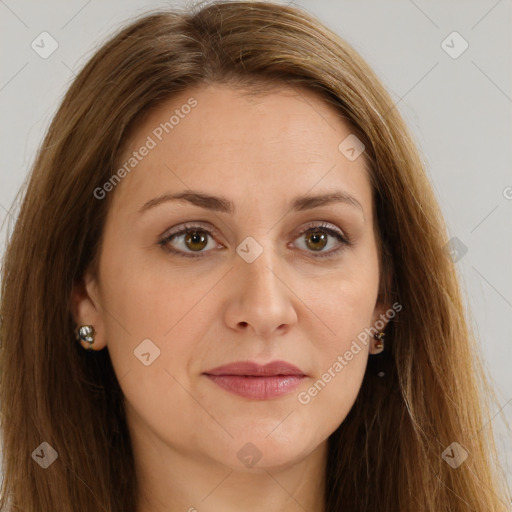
(85,333)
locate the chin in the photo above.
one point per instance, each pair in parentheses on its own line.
(264,452)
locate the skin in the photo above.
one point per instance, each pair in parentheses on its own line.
(201,313)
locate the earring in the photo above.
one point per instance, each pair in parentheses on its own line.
(85,333)
(379,344)
(380,363)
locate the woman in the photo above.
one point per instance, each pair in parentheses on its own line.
(229,216)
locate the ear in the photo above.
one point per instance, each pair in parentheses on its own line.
(86,308)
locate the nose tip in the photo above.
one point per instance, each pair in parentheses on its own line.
(260,300)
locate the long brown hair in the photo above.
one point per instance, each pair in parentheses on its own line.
(387,454)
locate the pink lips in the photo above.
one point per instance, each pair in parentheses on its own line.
(251,380)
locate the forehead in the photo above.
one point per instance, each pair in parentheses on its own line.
(268,147)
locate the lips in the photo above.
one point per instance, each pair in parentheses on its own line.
(257,382)
(249,368)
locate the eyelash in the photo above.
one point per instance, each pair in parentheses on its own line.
(324,227)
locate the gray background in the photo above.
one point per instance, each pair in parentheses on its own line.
(459,110)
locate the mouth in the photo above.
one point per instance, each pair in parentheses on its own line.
(257,382)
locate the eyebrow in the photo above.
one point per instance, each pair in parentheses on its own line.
(223,205)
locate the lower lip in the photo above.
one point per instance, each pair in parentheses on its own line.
(257,388)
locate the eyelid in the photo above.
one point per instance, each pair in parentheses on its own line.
(319,225)
(190,226)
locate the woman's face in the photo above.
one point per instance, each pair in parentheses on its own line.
(245,284)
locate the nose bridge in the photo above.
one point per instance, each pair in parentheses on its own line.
(259,273)
(259,298)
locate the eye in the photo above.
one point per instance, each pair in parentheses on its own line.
(317,236)
(189,241)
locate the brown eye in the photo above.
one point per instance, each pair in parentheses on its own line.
(316,240)
(190,241)
(324,240)
(196,240)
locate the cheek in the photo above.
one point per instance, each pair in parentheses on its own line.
(344,309)
(161,311)
(173,311)
(342,303)
(150,299)
(341,353)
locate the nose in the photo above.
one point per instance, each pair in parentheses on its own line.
(260,298)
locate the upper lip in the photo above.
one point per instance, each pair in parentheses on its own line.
(251,368)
